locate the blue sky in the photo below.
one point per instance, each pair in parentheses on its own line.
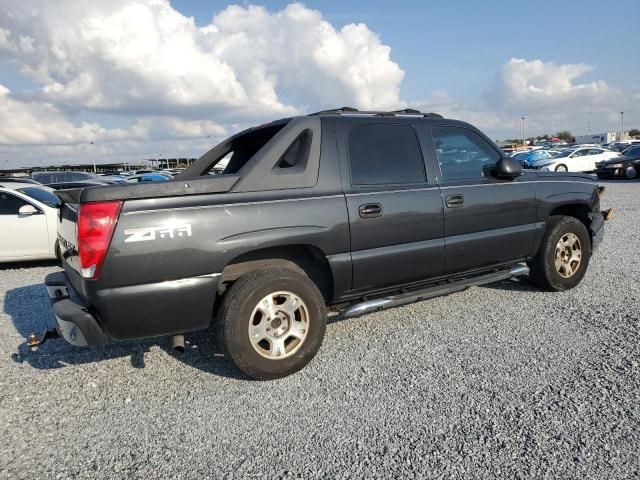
(126,79)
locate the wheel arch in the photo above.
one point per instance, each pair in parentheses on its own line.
(307,259)
(580,211)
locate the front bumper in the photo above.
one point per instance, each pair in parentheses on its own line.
(74,321)
(608,172)
(597,227)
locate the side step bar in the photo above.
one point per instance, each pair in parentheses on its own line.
(431,292)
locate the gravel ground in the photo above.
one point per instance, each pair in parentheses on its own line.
(499,381)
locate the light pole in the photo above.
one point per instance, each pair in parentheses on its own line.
(523,144)
(93,158)
(91,147)
(622,126)
(589,128)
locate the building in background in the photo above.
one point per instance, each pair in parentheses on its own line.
(603,137)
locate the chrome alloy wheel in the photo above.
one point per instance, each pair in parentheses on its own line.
(568,255)
(279,325)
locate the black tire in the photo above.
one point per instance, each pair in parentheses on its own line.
(57,252)
(629,172)
(543,270)
(235,315)
(562,168)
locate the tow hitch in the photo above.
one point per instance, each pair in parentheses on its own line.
(34,341)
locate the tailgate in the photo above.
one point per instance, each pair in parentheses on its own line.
(68,235)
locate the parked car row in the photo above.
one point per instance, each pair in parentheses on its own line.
(580,159)
(617,159)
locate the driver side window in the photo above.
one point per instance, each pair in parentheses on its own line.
(10,204)
(462,154)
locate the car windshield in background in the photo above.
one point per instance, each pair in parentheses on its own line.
(41,195)
(564,153)
(57,177)
(631,151)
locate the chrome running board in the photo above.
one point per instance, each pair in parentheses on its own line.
(431,291)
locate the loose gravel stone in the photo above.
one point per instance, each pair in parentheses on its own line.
(500,381)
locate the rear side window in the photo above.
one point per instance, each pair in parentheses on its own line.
(385,155)
(298,152)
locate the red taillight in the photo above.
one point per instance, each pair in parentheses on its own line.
(96,222)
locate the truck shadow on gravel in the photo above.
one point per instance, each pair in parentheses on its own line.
(513,285)
(29,264)
(30,312)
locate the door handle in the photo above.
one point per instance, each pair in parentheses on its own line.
(454,201)
(370,210)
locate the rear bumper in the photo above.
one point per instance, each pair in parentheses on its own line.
(138,311)
(74,321)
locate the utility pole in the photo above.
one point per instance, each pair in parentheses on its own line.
(91,146)
(93,158)
(621,126)
(523,140)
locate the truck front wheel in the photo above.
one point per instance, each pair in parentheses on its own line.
(564,255)
(272,322)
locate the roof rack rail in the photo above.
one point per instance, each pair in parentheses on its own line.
(394,113)
(334,111)
(407,110)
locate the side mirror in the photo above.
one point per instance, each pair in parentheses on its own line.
(508,167)
(28,210)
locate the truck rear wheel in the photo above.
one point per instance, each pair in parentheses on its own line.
(563,258)
(272,322)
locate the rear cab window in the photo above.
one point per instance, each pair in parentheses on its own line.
(385,154)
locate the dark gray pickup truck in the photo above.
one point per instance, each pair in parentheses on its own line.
(355,211)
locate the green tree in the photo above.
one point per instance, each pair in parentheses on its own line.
(634,132)
(565,135)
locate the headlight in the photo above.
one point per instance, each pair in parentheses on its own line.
(616,165)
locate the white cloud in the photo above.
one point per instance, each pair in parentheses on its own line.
(180,86)
(537,86)
(549,95)
(158,128)
(144,56)
(40,123)
(28,123)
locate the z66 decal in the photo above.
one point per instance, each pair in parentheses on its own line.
(157,233)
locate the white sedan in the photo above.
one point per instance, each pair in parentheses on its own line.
(28,222)
(582,159)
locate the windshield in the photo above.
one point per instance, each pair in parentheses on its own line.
(564,153)
(632,151)
(41,195)
(58,177)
